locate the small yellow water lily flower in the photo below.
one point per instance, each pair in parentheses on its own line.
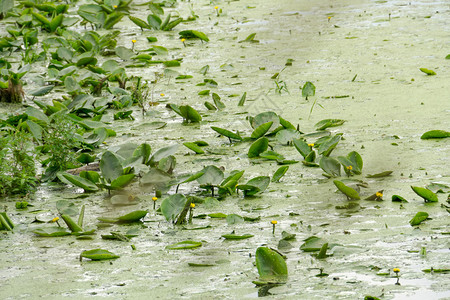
(273,226)
(154,202)
(329,18)
(133,41)
(349,168)
(162,94)
(192,205)
(379,195)
(115,6)
(55,219)
(396,270)
(216,7)
(311,145)
(155,198)
(183,40)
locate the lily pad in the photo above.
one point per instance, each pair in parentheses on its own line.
(234,236)
(324,124)
(379,175)
(346,190)
(51,231)
(426,194)
(258,147)
(98,254)
(312,244)
(184,245)
(435,134)
(271,266)
(132,216)
(418,218)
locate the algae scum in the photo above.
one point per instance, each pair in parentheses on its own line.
(177,142)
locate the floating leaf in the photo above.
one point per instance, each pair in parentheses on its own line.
(258,147)
(397,198)
(110,166)
(426,194)
(234,236)
(261,130)
(234,219)
(418,218)
(190,114)
(271,266)
(330,166)
(308,90)
(227,133)
(184,245)
(286,136)
(312,244)
(42,91)
(132,216)
(219,104)
(98,254)
(73,226)
(212,175)
(265,117)
(51,231)
(279,173)
(328,145)
(324,124)
(427,71)
(162,153)
(435,134)
(194,147)
(302,147)
(139,22)
(379,175)
(85,184)
(346,190)
(172,206)
(192,34)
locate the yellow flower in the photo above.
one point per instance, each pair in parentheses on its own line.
(216,7)
(349,168)
(162,94)
(183,40)
(396,270)
(55,219)
(115,6)
(133,41)
(192,205)
(274,222)
(379,195)
(154,198)
(311,145)
(329,18)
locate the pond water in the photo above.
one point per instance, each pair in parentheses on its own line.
(364,59)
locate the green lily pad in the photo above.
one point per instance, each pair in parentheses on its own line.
(271,266)
(427,71)
(426,194)
(418,218)
(51,231)
(132,216)
(379,175)
(258,147)
(233,236)
(98,254)
(346,190)
(397,198)
(312,244)
(324,124)
(435,134)
(184,245)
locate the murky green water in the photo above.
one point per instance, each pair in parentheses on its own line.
(390,101)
